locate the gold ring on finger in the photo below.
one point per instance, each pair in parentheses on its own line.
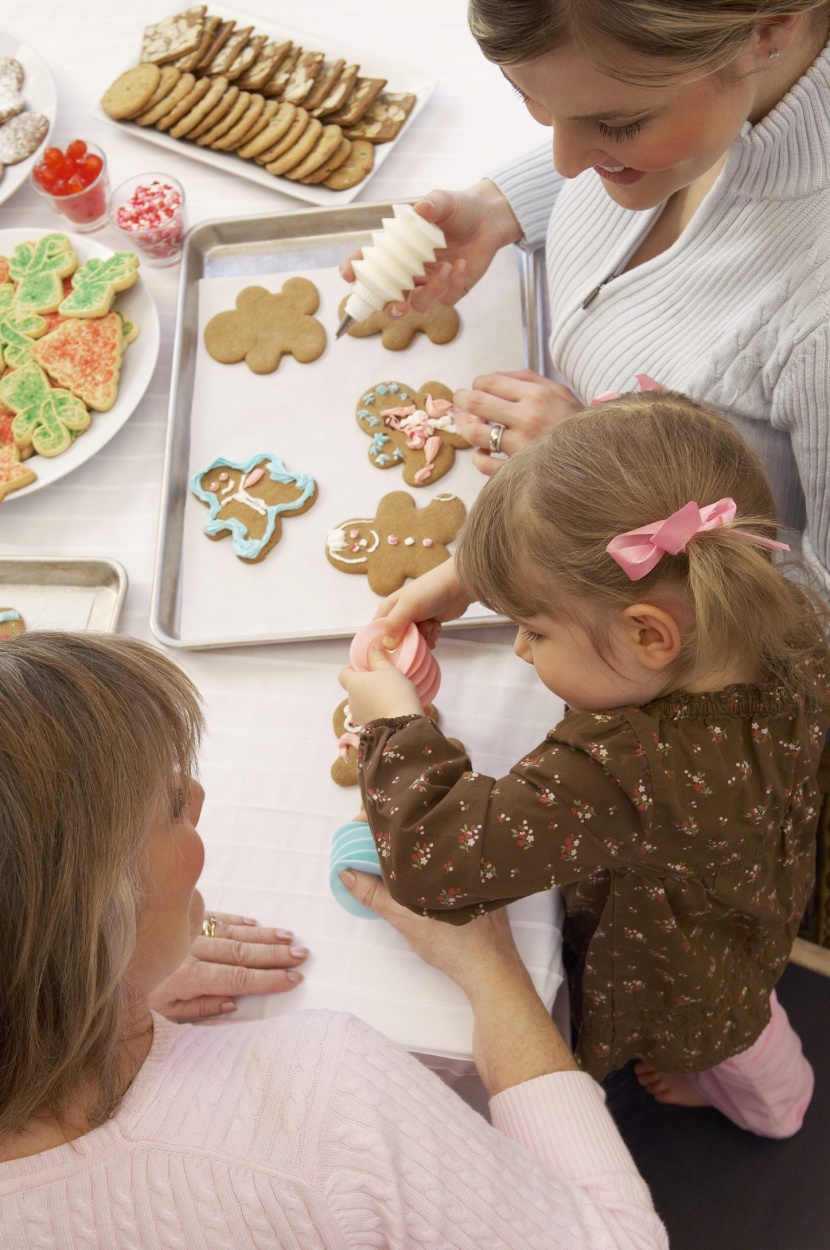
(209,926)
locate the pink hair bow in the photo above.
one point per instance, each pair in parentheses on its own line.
(644,382)
(638,551)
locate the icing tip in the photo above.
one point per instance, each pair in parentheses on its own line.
(344,325)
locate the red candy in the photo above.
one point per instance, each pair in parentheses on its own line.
(67,173)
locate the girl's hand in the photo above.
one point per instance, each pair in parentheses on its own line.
(476,224)
(433,597)
(242,957)
(382,692)
(524,402)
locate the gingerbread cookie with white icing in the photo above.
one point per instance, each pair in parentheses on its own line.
(347,732)
(401,540)
(250,500)
(413,429)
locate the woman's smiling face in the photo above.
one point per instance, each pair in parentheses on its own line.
(644,141)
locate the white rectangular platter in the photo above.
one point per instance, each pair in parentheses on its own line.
(400,78)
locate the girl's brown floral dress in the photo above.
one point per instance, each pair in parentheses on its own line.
(682,835)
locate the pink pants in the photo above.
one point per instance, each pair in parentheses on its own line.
(767,1088)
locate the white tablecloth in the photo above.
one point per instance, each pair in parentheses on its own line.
(271,807)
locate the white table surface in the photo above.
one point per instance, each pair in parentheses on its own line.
(271,806)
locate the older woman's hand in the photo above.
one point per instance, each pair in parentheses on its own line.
(242,957)
(526,404)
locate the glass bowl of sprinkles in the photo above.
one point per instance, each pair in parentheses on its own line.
(148,212)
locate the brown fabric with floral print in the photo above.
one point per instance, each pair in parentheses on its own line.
(682,837)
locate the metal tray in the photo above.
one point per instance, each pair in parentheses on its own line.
(80,594)
(252,246)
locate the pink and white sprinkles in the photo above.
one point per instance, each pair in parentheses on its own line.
(419,426)
(153,213)
(412,656)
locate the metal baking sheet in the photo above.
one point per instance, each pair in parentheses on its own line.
(247,248)
(81,594)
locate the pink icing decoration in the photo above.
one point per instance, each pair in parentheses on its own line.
(253,477)
(432,446)
(392,416)
(427,542)
(392,540)
(437,407)
(353,533)
(345,741)
(223,477)
(213,486)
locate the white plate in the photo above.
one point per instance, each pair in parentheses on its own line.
(38,91)
(139,362)
(399,78)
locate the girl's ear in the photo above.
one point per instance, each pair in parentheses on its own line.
(651,634)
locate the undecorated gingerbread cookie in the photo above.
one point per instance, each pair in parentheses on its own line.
(439,323)
(265,326)
(414,429)
(400,541)
(250,500)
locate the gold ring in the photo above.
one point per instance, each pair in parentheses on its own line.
(495,438)
(209,926)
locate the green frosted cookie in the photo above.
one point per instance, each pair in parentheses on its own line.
(97,282)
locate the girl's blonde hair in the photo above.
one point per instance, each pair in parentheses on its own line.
(697,37)
(96,734)
(538,533)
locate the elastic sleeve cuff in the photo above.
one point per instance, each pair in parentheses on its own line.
(562,1118)
(530,184)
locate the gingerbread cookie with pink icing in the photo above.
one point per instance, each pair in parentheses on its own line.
(347,732)
(414,429)
(401,540)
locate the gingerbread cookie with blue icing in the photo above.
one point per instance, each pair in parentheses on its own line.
(412,429)
(250,500)
(401,540)
(11,624)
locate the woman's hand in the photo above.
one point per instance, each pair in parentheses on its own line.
(382,692)
(433,597)
(524,402)
(476,224)
(242,957)
(514,1038)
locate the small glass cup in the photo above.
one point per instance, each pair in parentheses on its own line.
(86,209)
(148,212)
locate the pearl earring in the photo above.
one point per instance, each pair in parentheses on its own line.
(774,54)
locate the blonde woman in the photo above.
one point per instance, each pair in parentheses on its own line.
(119,1128)
(674,805)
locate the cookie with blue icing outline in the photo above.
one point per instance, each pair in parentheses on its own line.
(250,500)
(413,430)
(11,624)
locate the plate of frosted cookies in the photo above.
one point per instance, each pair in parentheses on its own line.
(287,109)
(79,336)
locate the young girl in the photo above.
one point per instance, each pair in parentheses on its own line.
(675,804)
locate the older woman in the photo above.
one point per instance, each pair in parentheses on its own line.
(119,1128)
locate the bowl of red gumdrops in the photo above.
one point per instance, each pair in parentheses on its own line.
(148,213)
(74,183)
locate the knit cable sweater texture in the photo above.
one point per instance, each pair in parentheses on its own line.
(311,1131)
(736,313)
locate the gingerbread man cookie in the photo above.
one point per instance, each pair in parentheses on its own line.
(11,624)
(347,732)
(400,541)
(439,323)
(248,501)
(415,429)
(264,327)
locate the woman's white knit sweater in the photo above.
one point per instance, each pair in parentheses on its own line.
(736,313)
